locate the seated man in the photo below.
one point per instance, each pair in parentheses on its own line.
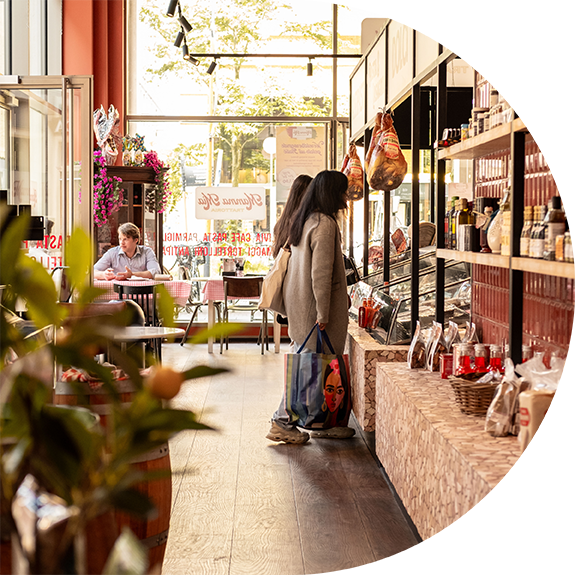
(128,259)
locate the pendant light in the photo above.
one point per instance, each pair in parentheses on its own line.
(172,8)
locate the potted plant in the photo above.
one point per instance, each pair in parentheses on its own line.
(61,468)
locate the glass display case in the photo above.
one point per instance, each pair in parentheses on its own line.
(402,268)
(393,324)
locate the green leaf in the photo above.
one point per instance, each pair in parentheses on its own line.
(35,285)
(10,251)
(88,294)
(165,306)
(133,501)
(203,371)
(78,250)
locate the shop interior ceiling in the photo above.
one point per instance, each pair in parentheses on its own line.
(459,104)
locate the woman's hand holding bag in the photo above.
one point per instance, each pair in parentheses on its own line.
(272,287)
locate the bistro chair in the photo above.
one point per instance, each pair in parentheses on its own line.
(145,296)
(242,294)
(196,306)
(64,288)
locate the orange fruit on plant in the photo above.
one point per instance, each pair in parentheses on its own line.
(164,382)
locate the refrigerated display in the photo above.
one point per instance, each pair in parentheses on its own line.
(394,300)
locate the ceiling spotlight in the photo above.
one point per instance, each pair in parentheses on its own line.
(212,67)
(172,8)
(179,38)
(186,55)
(185,24)
(310,68)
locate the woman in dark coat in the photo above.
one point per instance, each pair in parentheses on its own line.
(315,289)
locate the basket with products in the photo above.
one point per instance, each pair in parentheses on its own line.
(477,371)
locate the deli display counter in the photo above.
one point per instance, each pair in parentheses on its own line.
(392,322)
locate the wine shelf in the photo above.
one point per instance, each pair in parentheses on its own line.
(489,142)
(494,260)
(557,269)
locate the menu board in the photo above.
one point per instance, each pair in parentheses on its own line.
(300,150)
(376,78)
(357,116)
(400,58)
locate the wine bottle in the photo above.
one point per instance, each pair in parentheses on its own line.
(526,231)
(537,240)
(553,226)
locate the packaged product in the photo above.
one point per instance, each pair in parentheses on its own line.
(416,353)
(436,348)
(387,166)
(353,170)
(500,414)
(451,335)
(470,335)
(533,405)
(538,375)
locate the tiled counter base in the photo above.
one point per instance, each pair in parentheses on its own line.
(364,353)
(440,460)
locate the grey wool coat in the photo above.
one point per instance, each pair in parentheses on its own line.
(315,288)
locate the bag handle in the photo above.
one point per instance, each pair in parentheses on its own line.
(321,337)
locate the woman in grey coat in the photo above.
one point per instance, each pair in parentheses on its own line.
(315,289)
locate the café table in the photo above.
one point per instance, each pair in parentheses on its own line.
(140,333)
(178,289)
(213,291)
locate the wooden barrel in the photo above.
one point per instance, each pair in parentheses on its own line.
(97,400)
(153,533)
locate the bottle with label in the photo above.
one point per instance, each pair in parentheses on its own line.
(526,231)
(537,240)
(483,232)
(568,248)
(494,231)
(361,313)
(505,208)
(464,224)
(448,218)
(554,225)
(453,225)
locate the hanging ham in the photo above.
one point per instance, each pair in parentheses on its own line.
(353,170)
(387,166)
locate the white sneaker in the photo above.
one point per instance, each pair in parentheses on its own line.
(334,433)
(293,435)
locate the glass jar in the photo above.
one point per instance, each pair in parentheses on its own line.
(496,358)
(526,353)
(466,358)
(481,361)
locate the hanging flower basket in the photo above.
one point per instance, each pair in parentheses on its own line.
(108,196)
(156,199)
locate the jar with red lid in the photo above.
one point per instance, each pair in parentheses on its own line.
(481,362)
(465,363)
(496,359)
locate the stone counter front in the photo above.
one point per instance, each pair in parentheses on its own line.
(364,354)
(440,460)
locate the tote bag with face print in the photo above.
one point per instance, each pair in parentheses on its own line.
(317,386)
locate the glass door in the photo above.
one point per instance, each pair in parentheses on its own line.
(46,158)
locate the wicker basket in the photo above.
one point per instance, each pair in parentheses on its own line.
(473,398)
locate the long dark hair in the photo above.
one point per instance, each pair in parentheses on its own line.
(282,227)
(326,194)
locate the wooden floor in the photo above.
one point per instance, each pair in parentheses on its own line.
(242,504)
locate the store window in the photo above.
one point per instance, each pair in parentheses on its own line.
(235,126)
(38,175)
(229,184)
